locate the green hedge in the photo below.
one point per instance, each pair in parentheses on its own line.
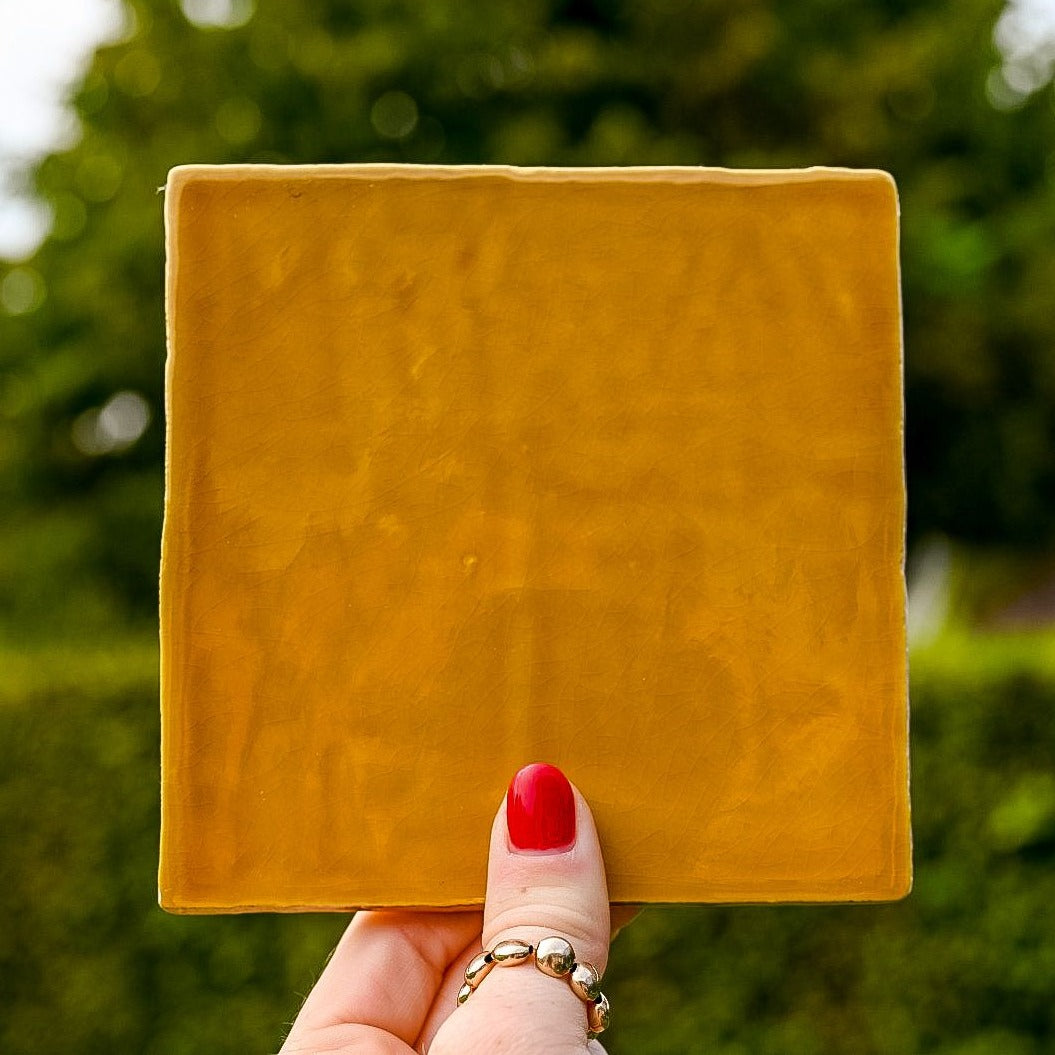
(88,963)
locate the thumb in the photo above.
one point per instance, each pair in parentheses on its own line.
(545,873)
(545,878)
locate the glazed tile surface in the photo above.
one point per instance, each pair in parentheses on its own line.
(469,468)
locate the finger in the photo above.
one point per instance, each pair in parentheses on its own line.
(447,995)
(545,877)
(349,1039)
(446,998)
(385,973)
(545,872)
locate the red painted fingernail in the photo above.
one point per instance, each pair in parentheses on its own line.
(540,810)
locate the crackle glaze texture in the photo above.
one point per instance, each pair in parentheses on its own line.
(469,468)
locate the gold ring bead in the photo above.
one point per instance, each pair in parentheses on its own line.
(510,953)
(586,981)
(479,968)
(598,1014)
(554,957)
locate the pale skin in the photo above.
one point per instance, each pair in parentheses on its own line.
(390,987)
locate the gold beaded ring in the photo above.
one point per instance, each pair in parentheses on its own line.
(553,956)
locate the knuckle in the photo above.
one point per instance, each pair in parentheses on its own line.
(534,921)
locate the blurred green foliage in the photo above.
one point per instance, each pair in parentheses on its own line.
(87,962)
(882,83)
(964,966)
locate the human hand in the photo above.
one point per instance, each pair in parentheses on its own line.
(392,983)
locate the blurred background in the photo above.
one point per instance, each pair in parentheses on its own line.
(100,97)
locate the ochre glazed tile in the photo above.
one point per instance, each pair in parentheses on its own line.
(470,468)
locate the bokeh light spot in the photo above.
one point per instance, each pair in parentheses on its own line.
(1025,37)
(22,291)
(238,121)
(23,225)
(113,427)
(312,54)
(394,115)
(218,14)
(99,177)
(521,66)
(138,73)
(1000,94)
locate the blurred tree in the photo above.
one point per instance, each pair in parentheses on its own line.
(87,963)
(884,83)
